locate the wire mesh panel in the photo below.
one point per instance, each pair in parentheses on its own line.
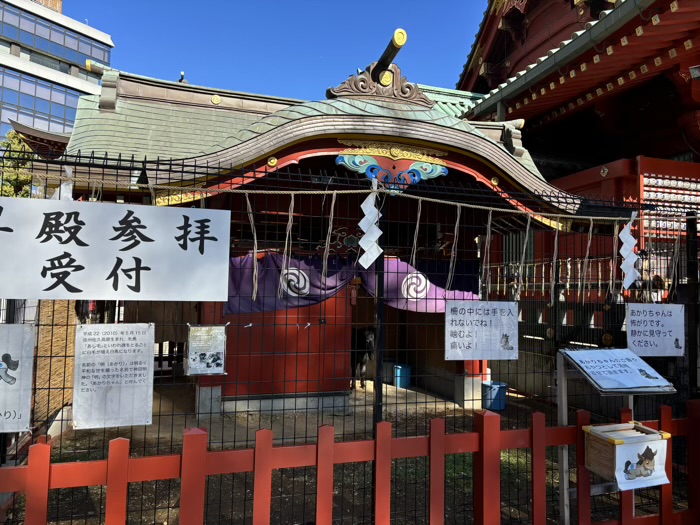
(311,340)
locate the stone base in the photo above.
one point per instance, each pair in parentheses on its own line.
(61,423)
(338,403)
(462,389)
(208,400)
(468,391)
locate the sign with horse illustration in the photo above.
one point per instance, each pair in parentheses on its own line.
(16,375)
(629,453)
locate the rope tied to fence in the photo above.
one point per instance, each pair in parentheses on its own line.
(255,248)
(412,261)
(287,247)
(487,258)
(613,260)
(555,255)
(584,273)
(327,249)
(453,253)
(675,259)
(522,258)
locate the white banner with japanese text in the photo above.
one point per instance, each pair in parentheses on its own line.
(16,374)
(481,330)
(113,381)
(56,249)
(656,330)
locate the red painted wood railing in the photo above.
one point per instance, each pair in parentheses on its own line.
(486,443)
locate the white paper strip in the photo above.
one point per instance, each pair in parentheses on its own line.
(370,256)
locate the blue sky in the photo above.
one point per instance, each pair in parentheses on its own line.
(286,48)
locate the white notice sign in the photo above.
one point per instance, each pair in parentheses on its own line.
(16,374)
(86,250)
(618,371)
(113,382)
(656,329)
(481,330)
(206,350)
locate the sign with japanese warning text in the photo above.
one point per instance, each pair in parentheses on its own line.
(481,330)
(16,374)
(656,330)
(87,250)
(113,381)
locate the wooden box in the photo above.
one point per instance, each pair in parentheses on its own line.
(611,450)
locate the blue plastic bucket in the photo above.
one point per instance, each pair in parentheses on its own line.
(402,376)
(493,395)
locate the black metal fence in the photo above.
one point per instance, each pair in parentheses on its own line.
(291,369)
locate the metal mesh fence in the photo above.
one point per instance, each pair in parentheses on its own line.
(294,369)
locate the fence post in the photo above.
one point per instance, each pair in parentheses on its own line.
(117,482)
(262,484)
(37,484)
(665,421)
(626,496)
(382,474)
(539,469)
(193,476)
(487,469)
(437,472)
(691,233)
(583,477)
(694,458)
(324,475)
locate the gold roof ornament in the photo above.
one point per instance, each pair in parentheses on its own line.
(393,151)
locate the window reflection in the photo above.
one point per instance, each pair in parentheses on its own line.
(35,103)
(35,32)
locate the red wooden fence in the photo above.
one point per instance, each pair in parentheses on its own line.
(486,443)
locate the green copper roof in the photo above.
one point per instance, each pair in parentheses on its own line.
(343,106)
(450,101)
(144,128)
(134,122)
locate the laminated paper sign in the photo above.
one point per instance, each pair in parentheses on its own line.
(88,250)
(206,350)
(481,330)
(656,330)
(16,373)
(113,382)
(640,465)
(617,370)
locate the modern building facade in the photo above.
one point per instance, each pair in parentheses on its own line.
(43,65)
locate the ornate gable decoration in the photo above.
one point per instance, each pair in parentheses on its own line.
(389,86)
(395,166)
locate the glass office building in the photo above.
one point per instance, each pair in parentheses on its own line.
(43,71)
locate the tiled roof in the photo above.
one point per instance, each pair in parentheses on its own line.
(451,101)
(593,33)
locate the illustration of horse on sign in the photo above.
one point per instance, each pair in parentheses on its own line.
(643,468)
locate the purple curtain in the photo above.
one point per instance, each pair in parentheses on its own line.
(302,283)
(406,288)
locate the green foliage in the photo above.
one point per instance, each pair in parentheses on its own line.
(15,170)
